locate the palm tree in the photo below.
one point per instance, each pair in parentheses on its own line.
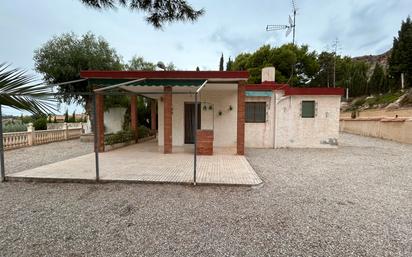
(158,11)
(20,91)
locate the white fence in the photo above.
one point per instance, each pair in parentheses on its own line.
(31,137)
(60,125)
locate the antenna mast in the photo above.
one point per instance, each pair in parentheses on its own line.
(335,47)
(290,27)
(294,20)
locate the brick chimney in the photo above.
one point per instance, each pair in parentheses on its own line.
(268,74)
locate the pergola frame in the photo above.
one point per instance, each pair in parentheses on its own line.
(101,91)
(130,78)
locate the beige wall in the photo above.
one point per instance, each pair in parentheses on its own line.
(221,96)
(260,135)
(291,130)
(113,119)
(380,113)
(398,131)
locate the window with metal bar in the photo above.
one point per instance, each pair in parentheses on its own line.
(308,109)
(255,112)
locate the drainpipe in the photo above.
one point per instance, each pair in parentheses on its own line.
(2,171)
(195,134)
(276,102)
(195,139)
(96,150)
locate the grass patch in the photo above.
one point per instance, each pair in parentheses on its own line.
(384,99)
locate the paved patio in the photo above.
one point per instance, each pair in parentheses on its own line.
(145,162)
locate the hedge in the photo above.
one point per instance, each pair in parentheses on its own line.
(126,136)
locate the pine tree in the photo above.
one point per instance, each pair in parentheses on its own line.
(221,63)
(74,116)
(229,64)
(400,60)
(66,116)
(197,68)
(376,83)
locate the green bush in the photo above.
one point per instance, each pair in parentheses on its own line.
(126,136)
(384,99)
(119,137)
(14,127)
(40,123)
(143,132)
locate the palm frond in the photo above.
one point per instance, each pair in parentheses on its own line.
(20,91)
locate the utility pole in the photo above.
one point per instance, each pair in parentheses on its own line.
(335,50)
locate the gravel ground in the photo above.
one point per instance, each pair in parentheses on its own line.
(31,157)
(351,201)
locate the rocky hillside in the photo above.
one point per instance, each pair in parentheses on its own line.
(382,59)
(388,101)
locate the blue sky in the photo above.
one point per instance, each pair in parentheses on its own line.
(229,27)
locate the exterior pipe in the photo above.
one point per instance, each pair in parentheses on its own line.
(195,144)
(2,171)
(96,150)
(195,134)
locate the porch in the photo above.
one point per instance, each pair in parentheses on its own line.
(145,162)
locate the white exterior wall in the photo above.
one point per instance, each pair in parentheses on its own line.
(221,96)
(291,130)
(260,135)
(113,119)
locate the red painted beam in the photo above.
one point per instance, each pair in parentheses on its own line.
(295,90)
(314,91)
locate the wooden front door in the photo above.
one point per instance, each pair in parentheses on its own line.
(190,122)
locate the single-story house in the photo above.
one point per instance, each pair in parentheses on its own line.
(230,112)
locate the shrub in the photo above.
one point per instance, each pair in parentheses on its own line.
(119,137)
(14,127)
(40,123)
(142,132)
(126,136)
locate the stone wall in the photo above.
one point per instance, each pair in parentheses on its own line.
(373,113)
(397,129)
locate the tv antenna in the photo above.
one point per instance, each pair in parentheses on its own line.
(289,28)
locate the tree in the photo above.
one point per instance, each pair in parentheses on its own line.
(400,60)
(73,119)
(66,116)
(229,65)
(158,11)
(169,67)
(325,74)
(21,91)
(283,58)
(221,63)
(197,68)
(377,82)
(63,57)
(139,63)
(54,119)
